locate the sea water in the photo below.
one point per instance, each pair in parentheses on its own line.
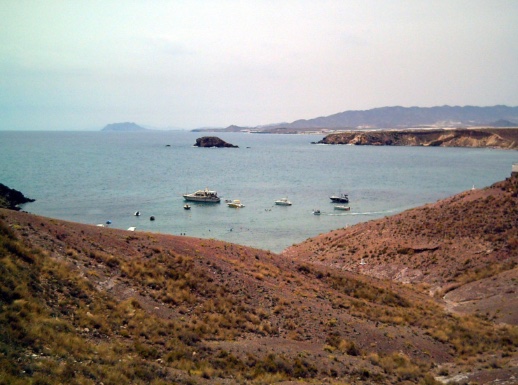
(99,177)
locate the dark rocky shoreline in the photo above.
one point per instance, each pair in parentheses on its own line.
(10,198)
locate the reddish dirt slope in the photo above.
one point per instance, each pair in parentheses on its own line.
(247,302)
(441,246)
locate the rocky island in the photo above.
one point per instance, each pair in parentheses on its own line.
(496,138)
(212,141)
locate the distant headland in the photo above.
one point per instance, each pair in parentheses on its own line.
(123,127)
(503,138)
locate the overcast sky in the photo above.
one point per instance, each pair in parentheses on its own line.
(76,65)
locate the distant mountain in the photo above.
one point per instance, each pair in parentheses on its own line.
(396,117)
(405,117)
(127,126)
(503,123)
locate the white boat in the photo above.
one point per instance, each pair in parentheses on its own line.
(206,195)
(186,206)
(236,203)
(283,202)
(132,228)
(344,208)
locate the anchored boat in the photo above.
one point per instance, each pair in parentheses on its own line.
(283,202)
(207,196)
(341,198)
(236,203)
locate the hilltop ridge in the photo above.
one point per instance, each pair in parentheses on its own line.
(394,117)
(405,117)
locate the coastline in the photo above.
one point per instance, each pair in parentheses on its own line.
(474,137)
(504,138)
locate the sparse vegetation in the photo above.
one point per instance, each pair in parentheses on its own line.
(84,305)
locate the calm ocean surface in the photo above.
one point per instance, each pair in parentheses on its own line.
(93,177)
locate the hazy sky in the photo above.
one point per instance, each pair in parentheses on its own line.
(83,64)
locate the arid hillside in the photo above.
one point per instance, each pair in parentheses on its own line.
(84,304)
(457,246)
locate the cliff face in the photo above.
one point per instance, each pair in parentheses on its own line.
(506,139)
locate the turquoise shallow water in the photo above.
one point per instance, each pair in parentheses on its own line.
(92,177)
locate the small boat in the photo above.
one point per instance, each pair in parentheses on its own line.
(207,196)
(343,208)
(137,213)
(236,203)
(341,198)
(316,212)
(283,202)
(186,206)
(132,228)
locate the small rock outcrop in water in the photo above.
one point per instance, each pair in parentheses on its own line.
(212,141)
(10,198)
